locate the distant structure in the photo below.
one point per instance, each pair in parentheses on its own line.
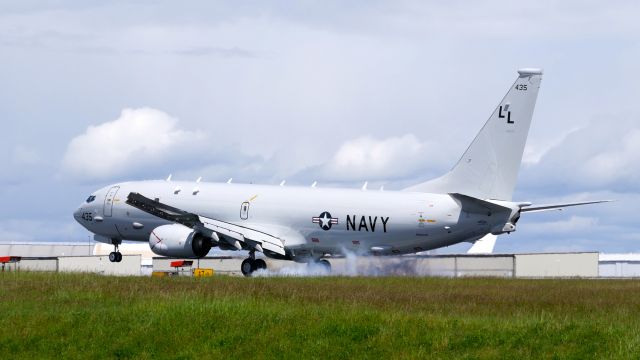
(138,260)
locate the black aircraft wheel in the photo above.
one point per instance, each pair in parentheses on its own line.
(118,256)
(113,257)
(325,265)
(260,264)
(248,266)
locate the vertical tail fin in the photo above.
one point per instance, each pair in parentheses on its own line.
(484,245)
(489,168)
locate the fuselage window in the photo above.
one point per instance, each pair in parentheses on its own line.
(91,198)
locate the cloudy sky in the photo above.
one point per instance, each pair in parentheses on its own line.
(390,92)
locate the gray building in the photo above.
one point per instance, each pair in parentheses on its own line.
(619,265)
(139,260)
(495,265)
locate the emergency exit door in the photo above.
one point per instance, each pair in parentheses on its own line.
(244,210)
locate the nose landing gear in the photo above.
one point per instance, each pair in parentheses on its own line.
(115,256)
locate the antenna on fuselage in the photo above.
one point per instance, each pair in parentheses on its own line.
(283,182)
(169,177)
(196,189)
(229,181)
(364,187)
(314,184)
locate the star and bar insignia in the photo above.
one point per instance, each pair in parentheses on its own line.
(325,220)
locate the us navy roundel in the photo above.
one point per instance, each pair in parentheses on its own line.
(325,220)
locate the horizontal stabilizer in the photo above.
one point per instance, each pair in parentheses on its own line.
(549,207)
(475,205)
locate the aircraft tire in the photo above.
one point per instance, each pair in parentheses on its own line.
(118,256)
(260,264)
(248,266)
(325,264)
(113,257)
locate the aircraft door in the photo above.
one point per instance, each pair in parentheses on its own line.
(244,210)
(108,200)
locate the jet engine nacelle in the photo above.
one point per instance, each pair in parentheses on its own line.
(177,240)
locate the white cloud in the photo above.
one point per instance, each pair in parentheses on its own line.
(368,158)
(366,153)
(603,154)
(620,160)
(138,138)
(535,150)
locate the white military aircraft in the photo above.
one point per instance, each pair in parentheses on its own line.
(470,203)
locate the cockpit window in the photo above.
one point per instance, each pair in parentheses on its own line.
(91,198)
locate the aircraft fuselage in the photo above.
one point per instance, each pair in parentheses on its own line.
(312,221)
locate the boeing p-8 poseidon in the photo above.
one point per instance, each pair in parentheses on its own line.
(471,203)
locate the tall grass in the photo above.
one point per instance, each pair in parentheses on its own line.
(46,315)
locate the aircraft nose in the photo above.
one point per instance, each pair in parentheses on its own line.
(78,213)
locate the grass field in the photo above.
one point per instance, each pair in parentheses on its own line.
(45,315)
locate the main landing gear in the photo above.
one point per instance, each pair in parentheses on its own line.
(115,256)
(251,264)
(326,265)
(323,264)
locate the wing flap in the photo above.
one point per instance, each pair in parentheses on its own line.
(244,234)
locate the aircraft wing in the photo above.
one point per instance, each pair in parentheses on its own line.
(240,237)
(549,207)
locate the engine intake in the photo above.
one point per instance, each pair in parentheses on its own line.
(177,240)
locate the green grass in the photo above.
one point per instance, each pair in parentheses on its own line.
(44,315)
